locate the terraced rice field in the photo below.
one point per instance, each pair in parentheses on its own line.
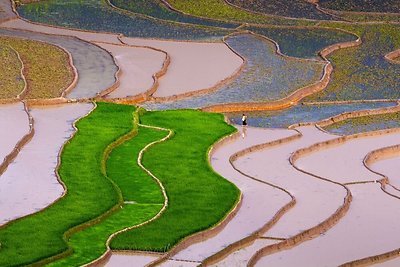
(90,177)
(89,15)
(46,61)
(296,9)
(12,83)
(366,124)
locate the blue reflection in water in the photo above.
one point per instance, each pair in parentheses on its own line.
(301,113)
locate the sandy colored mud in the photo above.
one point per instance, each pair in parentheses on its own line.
(14,124)
(343,163)
(316,199)
(368,229)
(194,66)
(32,174)
(87,36)
(137,65)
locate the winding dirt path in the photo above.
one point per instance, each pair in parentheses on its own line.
(32,173)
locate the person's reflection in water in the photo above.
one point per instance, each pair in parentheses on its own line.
(244,132)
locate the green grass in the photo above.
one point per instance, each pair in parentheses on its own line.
(218,9)
(198,197)
(47,68)
(11,81)
(136,186)
(90,193)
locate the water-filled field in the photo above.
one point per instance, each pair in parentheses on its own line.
(300,113)
(303,43)
(266,77)
(296,8)
(92,15)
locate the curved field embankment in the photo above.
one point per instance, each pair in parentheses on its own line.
(46,61)
(384,162)
(393,56)
(32,172)
(369,121)
(19,125)
(256,197)
(349,169)
(282,233)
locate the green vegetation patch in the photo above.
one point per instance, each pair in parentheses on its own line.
(218,9)
(198,197)
(47,69)
(365,124)
(141,194)
(90,194)
(11,81)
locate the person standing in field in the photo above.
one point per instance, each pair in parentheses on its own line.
(244,120)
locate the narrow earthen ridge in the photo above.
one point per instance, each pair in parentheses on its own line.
(215,87)
(26,138)
(104,258)
(344,102)
(378,155)
(74,70)
(21,143)
(210,232)
(394,56)
(69,250)
(294,97)
(140,98)
(348,115)
(24,92)
(248,240)
(311,232)
(374,259)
